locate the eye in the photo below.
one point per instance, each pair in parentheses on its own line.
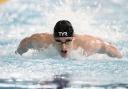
(68,40)
(57,40)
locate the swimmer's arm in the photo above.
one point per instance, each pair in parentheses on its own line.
(36,41)
(111,51)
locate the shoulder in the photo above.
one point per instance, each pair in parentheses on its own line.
(42,37)
(87,39)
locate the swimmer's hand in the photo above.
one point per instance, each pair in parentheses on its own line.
(20,51)
(23,46)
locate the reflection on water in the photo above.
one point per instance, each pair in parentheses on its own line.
(58,82)
(61,81)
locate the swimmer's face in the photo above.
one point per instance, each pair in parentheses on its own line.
(64,44)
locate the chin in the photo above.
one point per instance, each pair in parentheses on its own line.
(64,55)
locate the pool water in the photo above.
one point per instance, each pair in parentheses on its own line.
(46,69)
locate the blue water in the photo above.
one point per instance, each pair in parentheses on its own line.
(106,19)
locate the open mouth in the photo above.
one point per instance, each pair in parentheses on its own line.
(64,53)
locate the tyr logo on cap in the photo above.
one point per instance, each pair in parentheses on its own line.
(63,34)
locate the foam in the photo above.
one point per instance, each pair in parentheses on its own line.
(19,19)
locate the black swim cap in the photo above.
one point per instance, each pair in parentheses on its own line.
(63,28)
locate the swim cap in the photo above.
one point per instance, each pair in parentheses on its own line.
(63,28)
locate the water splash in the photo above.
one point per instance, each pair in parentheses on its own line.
(104,19)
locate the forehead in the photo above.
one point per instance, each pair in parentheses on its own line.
(63,38)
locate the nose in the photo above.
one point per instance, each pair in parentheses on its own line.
(63,48)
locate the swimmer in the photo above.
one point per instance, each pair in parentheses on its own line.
(65,40)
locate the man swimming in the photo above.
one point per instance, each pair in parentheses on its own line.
(64,40)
